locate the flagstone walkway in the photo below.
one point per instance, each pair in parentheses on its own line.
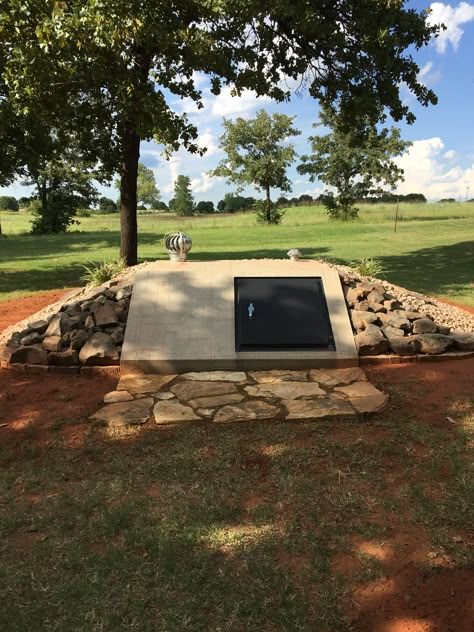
(226,397)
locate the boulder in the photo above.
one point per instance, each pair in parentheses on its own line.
(89,323)
(69,357)
(352,296)
(365,288)
(403,346)
(396,321)
(52,343)
(363,306)
(433,344)
(99,350)
(360,319)
(391,305)
(424,326)
(78,339)
(377,308)
(463,341)
(375,297)
(106,315)
(40,326)
(125,292)
(371,341)
(26,355)
(116,334)
(31,339)
(59,325)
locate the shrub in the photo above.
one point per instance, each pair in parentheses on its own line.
(8,203)
(268,213)
(98,273)
(56,217)
(369,267)
(106,205)
(84,212)
(340,207)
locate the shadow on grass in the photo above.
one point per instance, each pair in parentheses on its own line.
(435,271)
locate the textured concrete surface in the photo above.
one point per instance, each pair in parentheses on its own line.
(181,319)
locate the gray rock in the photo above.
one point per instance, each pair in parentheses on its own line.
(365,288)
(27,355)
(106,315)
(410,315)
(352,296)
(362,306)
(78,339)
(391,305)
(424,326)
(52,343)
(392,332)
(371,341)
(396,321)
(403,346)
(377,308)
(31,339)
(59,325)
(215,376)
(99,350)
(433,344)
(40,326)
(89,322)
(69,357)
(375,297)
(360,319)
(125,292)
(443,329)
(463,341)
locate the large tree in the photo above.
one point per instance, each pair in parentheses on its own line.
(112,70)
(356,162)
(258,154)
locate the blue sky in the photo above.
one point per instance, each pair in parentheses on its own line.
(440,162)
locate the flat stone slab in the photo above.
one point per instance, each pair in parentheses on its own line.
(322,393)
(172,412)
(314,409)
(215,376)
(187,391)
(117,396)
(216,400)
(358,389)
(143,383)
(288,390)
(125,413)
(248,411)
(268,377)
(336,377)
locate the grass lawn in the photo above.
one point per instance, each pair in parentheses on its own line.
(260,526)
(431,252)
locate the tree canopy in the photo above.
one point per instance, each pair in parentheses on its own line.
(183,201)
(257,154)
(356,162)
(113,71)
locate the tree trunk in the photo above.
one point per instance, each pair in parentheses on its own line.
(128,196)
(268,203)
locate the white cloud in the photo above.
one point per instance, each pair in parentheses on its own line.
(427,75)
(207,140)
(450,155)
(452,18)
(425,171)
(227,105)
(174,168)
(204,183)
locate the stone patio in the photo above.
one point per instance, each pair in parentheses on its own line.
(233,396)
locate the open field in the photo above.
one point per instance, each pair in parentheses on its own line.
(431,252)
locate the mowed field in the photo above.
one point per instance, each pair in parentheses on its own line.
(431,252)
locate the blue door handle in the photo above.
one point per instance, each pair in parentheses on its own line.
(251,309)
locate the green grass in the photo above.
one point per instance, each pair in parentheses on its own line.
(235,528)
(431,252)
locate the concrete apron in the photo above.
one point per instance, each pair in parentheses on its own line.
(182,318)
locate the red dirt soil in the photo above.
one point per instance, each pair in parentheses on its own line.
(403,601)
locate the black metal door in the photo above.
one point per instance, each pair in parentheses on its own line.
(281,313)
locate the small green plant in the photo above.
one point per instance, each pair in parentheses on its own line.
(369,267)
(98,273)
(268,213)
